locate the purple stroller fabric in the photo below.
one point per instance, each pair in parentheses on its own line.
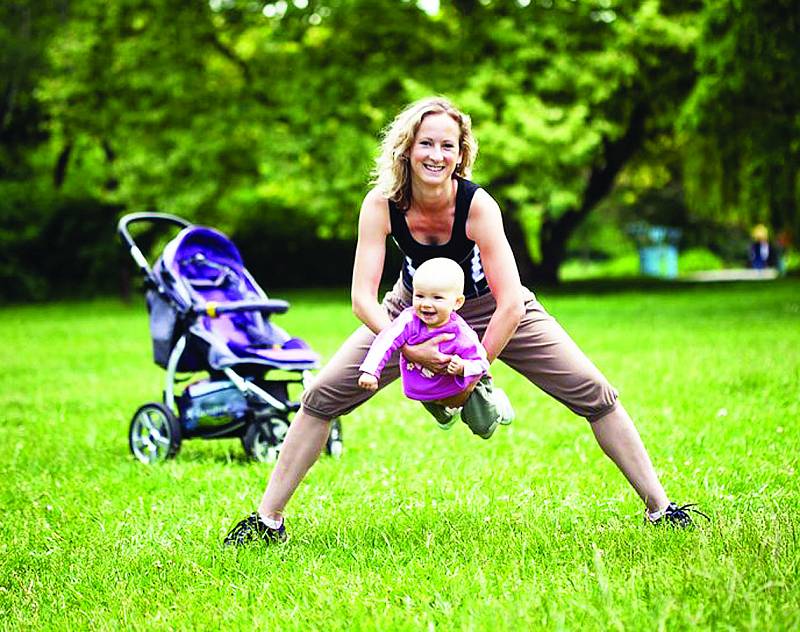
(207,269)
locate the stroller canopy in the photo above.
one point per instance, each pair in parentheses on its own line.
(185,255)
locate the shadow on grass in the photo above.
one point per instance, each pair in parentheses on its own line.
(233,456)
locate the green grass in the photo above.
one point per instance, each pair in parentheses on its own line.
(415,528)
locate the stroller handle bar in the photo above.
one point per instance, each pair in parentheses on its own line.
(270,306)
(132,218)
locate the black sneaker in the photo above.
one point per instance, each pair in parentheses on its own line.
(678,517)
(252,529)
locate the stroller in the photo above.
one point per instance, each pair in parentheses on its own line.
(207,314)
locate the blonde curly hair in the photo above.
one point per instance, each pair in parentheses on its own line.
(392,172)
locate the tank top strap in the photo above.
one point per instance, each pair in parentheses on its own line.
(397,222)
(466,191)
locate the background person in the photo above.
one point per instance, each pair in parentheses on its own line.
(763,254)
(424,201)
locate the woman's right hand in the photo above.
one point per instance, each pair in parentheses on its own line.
(427,353)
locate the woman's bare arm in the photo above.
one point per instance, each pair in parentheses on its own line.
(373,228)
(485,228)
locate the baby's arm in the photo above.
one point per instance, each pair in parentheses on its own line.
(472,359)
(456,366)
(474,367)
(381,349)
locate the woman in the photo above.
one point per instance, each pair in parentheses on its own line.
(423,199)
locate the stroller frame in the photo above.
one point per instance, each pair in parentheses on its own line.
(253,408)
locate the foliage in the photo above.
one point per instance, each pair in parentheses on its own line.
(627,265)
(162,112)
(624,266)
(25,30)
(415,527)
(743,148)
(698,260)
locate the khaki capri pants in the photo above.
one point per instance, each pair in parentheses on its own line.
(539,349)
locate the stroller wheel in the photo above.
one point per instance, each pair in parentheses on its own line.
(155,434)
(263,439)
(335,446)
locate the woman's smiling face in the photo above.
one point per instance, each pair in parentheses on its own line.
(436,150)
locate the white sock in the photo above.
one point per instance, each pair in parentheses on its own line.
(652,516)
(272,524)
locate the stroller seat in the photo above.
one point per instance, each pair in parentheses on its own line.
(264,343)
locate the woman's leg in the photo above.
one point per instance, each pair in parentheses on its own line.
(335,392)
(543,352)
(620,440)
(301,448)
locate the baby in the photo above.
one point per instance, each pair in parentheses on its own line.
(466,387)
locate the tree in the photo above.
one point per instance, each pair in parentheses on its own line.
(146,92)
(285,103)
(564,95)
(263,117)
(25,30)
(742,157)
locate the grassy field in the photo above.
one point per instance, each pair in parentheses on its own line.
(415,528)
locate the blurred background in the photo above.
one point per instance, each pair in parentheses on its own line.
(621,137)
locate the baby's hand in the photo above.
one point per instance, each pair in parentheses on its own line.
(456,366)
(369,382)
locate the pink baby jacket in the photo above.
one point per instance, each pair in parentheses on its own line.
(419,383)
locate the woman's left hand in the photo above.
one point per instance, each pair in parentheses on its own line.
(427,353)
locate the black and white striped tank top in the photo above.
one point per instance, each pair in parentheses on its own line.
(460,248)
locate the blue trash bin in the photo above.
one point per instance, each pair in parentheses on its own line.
(659,261)
(658,249)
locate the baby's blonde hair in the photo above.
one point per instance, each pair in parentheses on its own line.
(392,172)
(442,271)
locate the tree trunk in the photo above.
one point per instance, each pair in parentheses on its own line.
(60,171)
(782,199)
(553,238)
(518,242)
(111,183)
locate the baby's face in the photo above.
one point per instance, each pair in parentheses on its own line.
(434,302)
